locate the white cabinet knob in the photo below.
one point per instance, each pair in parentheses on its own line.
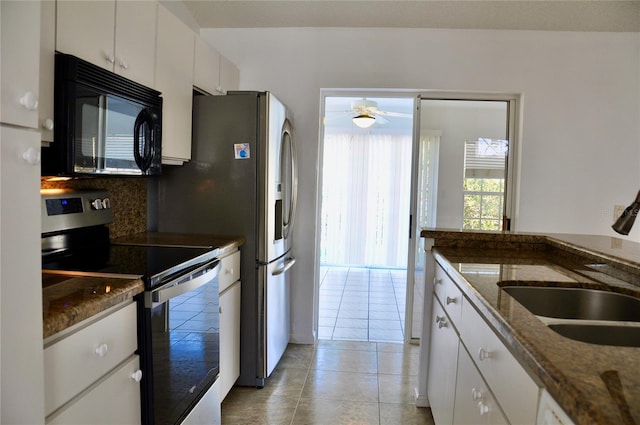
(102,350)
(439,318)
(228,271)
(47,124)
(483,408)
(476,395)
(110,58)
(436,281)
(31,156)
(29,101)
(137,375)
(451,300)
(483,354)
(442,324)
(123,64)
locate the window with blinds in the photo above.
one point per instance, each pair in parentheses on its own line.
(485,166)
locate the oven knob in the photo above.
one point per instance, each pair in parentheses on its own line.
(106,203)
(97,204)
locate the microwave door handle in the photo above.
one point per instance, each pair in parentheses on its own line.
(142,161)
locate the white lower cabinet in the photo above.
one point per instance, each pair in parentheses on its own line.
(443,357)
(91,374)
(475,404)
(473,378)
(115,399)
(230,291)
(499,368)
(549,413)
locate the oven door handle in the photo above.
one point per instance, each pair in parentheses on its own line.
(172,290)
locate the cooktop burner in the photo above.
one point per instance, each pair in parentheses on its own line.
(152,264)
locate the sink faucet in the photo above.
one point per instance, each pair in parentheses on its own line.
(624,223)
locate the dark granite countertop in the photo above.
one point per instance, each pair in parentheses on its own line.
(70,299)
(582,378)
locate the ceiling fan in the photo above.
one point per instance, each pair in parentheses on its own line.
(365,113)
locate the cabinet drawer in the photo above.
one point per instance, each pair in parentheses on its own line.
(229,338)
(474,403)
(500,369)
(449,294)
(78,360)
(114,400)
(229,270)
(443,355)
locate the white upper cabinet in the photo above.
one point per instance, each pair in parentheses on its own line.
(214,73)
(175,47)
(206,69)
(86,29)
(47,65)
(136,40)
(116,35)
(19,69)
(229,75)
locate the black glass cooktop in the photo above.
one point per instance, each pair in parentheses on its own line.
(153,264)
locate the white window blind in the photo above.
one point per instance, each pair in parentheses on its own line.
(485,158)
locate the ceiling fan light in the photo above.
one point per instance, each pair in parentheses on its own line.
(364,120)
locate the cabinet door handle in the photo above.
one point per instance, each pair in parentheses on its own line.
(220,309)
(476,395)
(137,375)
(29,101)
(102,350)
(443,323)
(451,300)
(483,354)
(47,124)
(439,318)
(31,156)
(123,64)
(110,58)
(436,281)
(483,408)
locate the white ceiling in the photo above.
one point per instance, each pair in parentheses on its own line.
(555,15)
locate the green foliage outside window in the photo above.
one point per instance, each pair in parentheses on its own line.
(483,203)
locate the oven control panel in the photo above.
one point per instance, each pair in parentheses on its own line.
(65,209)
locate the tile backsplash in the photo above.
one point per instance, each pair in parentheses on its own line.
(128,200)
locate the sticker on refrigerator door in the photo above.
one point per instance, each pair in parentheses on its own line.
(242,150)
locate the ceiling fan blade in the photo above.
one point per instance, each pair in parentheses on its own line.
(394,114)
(380,119)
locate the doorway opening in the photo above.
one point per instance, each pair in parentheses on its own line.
(365,209)
(462,168)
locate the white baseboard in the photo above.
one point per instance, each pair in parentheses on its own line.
(421,399)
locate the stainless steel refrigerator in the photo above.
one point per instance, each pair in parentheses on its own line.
(242,180)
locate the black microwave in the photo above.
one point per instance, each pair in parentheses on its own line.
(104,124)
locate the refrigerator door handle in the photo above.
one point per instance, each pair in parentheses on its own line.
(288,263)
(293,202)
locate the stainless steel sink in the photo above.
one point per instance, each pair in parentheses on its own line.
(622,336)
(576,303)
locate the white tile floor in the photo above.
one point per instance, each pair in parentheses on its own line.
(361,304)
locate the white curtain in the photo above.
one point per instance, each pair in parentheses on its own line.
(365,200)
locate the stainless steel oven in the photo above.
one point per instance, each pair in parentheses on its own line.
(178,313)
(180,336)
